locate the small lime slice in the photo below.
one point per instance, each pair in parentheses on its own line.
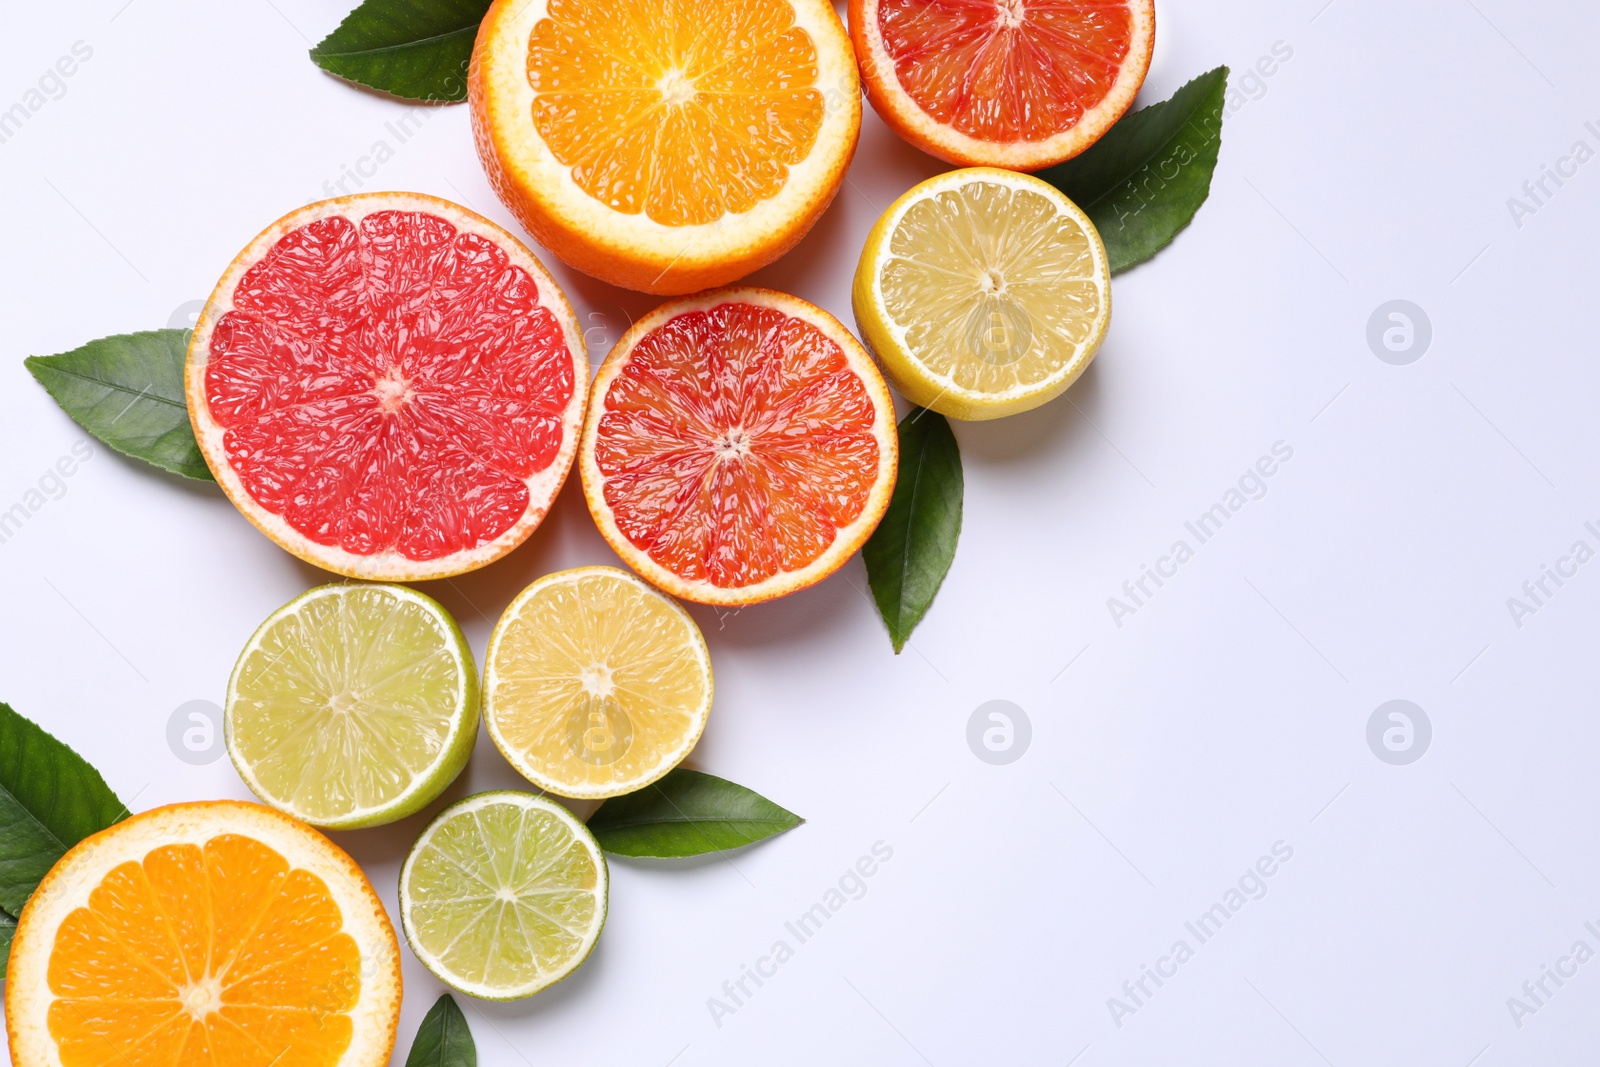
(503,895)
(353,705)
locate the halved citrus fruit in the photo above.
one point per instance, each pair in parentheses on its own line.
(1021,84)
(666,147)
(199,935)
(595,685)
(353,705)
(740,445)
(389,386)
(983,292)
(504,895)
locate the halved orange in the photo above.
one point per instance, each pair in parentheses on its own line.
(740,445)
(665,145)
(1019,84)
(215,934)
(389,386)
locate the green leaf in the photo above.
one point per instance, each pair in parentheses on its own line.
(413,49)
(50,799)
(1144,180)
(128,392)
(685,814)
(909,553)
(443,1039)
(8,927)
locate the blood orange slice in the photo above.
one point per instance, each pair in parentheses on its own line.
(740,445)
(1020,84)
(389,386)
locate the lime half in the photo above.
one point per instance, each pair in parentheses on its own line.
(353,705)
(503,895)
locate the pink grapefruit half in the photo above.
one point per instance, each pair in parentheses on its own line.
(389,386)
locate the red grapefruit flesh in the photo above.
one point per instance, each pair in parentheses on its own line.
(740,445)
(1021,84)
(389,386)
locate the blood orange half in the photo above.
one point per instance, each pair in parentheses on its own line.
(740,445)
(389,386)
(1020,84)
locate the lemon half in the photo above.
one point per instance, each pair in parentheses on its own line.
(983,293)
(595,684)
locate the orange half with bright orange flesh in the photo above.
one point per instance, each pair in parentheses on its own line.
(203,935)
(1019,84)
(740,445)
(665,145)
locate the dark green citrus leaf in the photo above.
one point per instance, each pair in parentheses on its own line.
(412,49)
(443,1039)
(910,551)
(50,799)
(1144,180)
(8,927)
(685,814)
(128,392)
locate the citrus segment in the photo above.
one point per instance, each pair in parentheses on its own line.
(595,685)
(740,446)
(203,934)
(665,126)
(665,146)
(983,293)
(353,705)
(388,385)
(1022,84)
(503,895)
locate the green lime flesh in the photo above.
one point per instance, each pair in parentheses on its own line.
(353,705)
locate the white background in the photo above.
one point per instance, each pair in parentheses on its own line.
(1167,755)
